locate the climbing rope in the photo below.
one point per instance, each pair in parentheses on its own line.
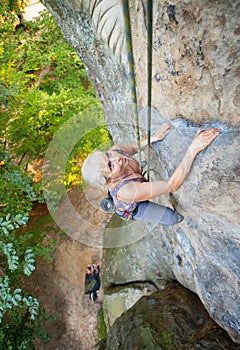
(129,48)
(149,79)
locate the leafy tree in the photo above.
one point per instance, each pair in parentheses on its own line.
(19,311)
(16,191)
(14,8)
(43,84)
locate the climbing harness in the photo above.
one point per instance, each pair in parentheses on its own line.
(107,205)
(126,215)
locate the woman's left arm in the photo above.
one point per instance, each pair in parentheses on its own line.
(133,148)
(136,191)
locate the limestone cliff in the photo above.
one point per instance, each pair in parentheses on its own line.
(195,83)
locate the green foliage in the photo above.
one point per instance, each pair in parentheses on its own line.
(19,337)
(12,8)
(9,299)
(101,326)
(18,252)
(16,190)
(43,84)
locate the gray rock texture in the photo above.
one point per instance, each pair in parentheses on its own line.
(195,84)
(202,252)
(195,54)
(164,320)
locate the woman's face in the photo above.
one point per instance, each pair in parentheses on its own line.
(112,164)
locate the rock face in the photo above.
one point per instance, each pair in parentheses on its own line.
(195,54)
(165,320)
(195,83)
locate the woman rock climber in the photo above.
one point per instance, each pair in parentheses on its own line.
(130,192)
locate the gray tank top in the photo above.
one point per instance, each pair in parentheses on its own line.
(122,205)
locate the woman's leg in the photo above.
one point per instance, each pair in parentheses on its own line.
(156,213)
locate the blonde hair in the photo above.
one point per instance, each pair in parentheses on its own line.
(91,171)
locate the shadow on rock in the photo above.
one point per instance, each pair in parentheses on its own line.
(165,320)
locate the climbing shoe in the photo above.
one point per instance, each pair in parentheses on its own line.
(180,218)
